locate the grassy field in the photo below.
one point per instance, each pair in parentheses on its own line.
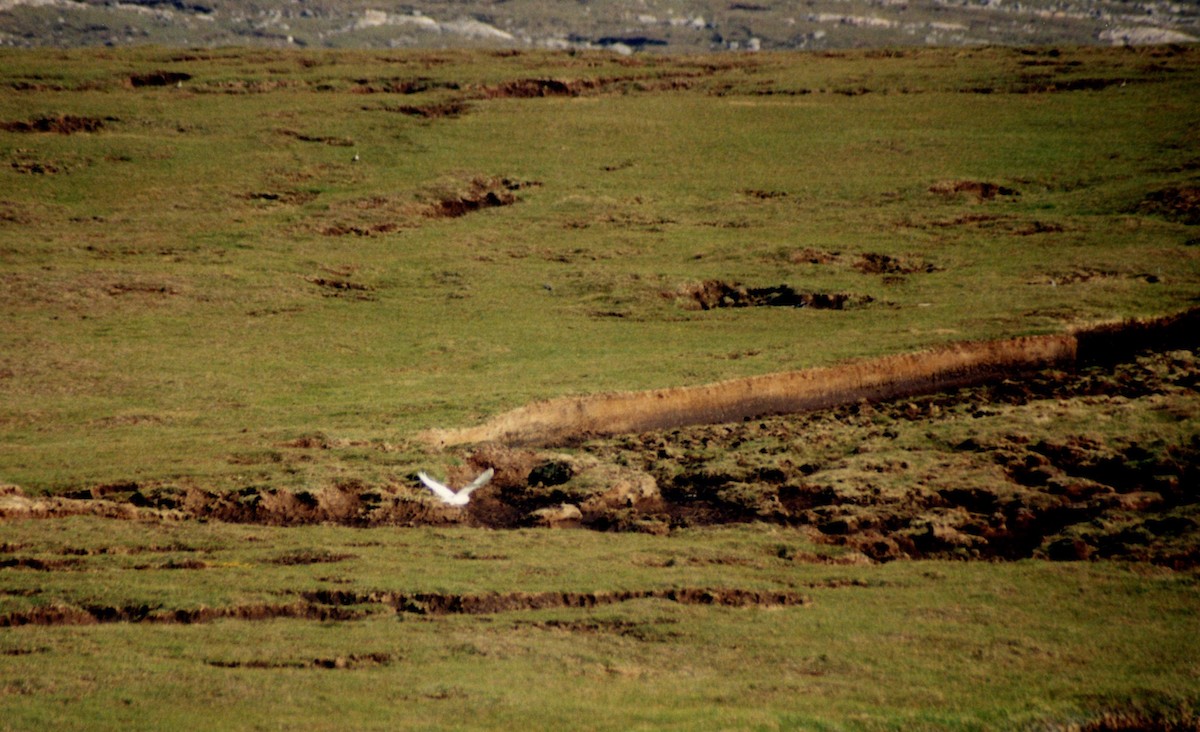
(209,274)
(265,272)
(908,645)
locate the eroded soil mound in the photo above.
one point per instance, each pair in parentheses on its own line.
(444,110)
(66,124)
(158,78)
(712,294)
(1005,494)
(327,605)
(1175,204)
(479,193)
(529,88)
(438,603)
(980,190)
(886,264)
(93,614)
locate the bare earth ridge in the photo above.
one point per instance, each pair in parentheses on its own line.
(559,421)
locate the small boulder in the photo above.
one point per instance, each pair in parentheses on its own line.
(565,515)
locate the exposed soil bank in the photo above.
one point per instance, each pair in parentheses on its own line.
(1096,462)
(67,124)
(437,603)
(561,421)
(341,605)
(93,614)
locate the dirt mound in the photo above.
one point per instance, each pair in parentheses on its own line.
(158,78)
(979,190)
(35,167)
(444,110)
(571,419)
(340,605)
(808,255)
(712,294)
(402,86)
(479,193)
(323,139)
(439,603)
(1042,85)
(1069,496)
(336,287)
(94,614)
(350,661)
(530,88)
(451,196)
(886,264)
(67,124)
(292,197)
(1174,204)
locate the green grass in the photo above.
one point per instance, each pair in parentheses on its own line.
(930,645)
(163,323)
(156,295)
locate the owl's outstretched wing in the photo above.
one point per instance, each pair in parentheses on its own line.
(442,491)
(479,482)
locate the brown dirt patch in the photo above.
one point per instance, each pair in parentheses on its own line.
(335,287)
(449,197)
(16,213)
(291,198)
(1034,84)
(1180,204)
(323,139)
(1069,498)
(642,631)
(359,229)
(40,565)
(310,556)
(343,605)
(35,167)
(886,264)
(542,87)
(249,86)
(118,289)
(349,661)
(402,86)
(157,78)
(438,603)
(570,419)
(480,192)
(1080,276)
(67,124)
(979,190)
(763,195)
(94,614)
(808,255)
(530,88)
(712,294)
(992,222)
(443,110)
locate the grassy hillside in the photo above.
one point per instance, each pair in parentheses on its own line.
(200,271)
(236,286)
(225,621)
